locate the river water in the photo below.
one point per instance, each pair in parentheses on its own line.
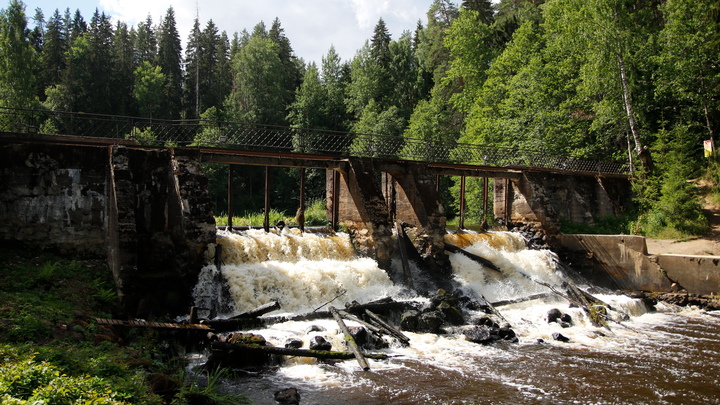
(667,356)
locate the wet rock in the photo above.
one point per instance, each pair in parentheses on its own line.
(479,334)
(560,337)
(293,343)
(553,315)
(365,339)
(566,318)
(485,321)
(430,322)
(565,325)
(409,320)
(506,333)
(288,396)
(451,314)
(319,343)
(314,328)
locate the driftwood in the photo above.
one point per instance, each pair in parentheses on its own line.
(350,340)
(247,319)
(336,297)
(320,354)
(519,300)
(390,330)
(493,309)
(259,311)
(383,305)
(596,316)
(485,262)
(350,317)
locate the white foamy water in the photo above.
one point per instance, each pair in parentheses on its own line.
(655,351)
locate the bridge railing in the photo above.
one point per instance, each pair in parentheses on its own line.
(234,135)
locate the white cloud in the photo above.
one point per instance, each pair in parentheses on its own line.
(311,25)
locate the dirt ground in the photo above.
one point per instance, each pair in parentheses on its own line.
(708,244)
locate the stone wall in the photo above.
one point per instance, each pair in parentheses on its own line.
(54,197)
(549,198)
(147,212)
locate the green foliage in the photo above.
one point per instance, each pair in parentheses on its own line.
(670,202)
(17,59)
(148,91)
(607,225)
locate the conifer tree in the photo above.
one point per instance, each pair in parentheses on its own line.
(169,59)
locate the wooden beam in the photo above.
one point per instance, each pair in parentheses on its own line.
(266,221)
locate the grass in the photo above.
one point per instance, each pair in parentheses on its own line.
(50,351)
(315,215)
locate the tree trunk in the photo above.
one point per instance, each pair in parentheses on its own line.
(349,340)
(320,354)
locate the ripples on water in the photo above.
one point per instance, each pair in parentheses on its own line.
(670,356)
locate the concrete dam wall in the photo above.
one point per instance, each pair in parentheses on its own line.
(146,211)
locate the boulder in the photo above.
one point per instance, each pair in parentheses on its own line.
(553,315)
(560,337)
(430,322)
(293,343)
(479,334)
(319,343)
(409,320)
(288,396)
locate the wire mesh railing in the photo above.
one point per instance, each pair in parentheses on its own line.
(243,136)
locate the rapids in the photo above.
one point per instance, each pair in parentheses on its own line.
(668,356)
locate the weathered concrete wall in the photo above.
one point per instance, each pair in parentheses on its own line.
(164,222)
(549,198)
(147,211)
(622,262)
(54,197)
(362,209)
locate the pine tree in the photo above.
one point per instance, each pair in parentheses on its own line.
(52,59)
(145,42)
(169,59)
(122,78)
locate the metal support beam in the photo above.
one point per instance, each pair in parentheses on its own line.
(230,196)
(266,221)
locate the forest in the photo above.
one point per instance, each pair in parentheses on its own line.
(633,81)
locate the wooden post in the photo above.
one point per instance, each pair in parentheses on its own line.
(301,213)
(508,203)
(350,340)
(230,197)
(335,203)
(485,203)
(266,221)
(461,224)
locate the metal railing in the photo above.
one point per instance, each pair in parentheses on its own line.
(235,135)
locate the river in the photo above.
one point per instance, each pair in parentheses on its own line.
(667,356)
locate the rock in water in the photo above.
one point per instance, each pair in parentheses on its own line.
(479,334)
(319,343)
(553,315)
(288,396)
(560,337)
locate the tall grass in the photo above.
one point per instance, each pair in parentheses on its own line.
(315,215)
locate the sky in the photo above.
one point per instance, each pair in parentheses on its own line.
(312,26)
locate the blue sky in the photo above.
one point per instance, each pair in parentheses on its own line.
(311,25)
